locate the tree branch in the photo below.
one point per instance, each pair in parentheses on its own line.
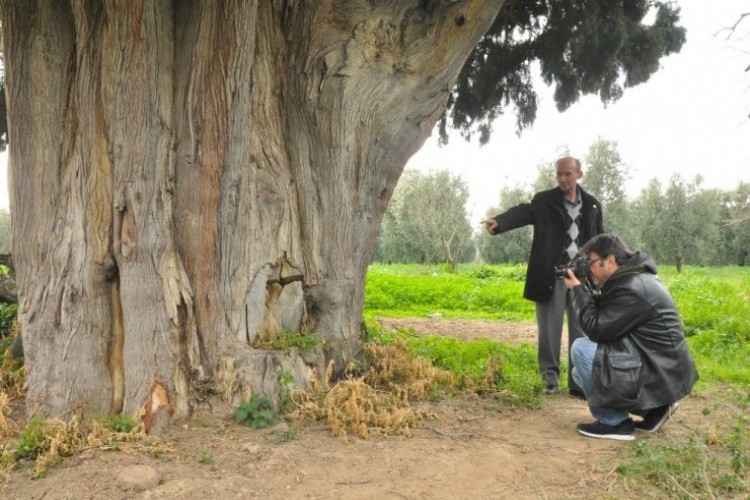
(731,29)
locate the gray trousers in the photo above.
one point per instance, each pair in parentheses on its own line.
(549,321)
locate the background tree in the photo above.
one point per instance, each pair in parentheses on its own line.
(703,226)
(188,177)
(546,176)
(400,239)
(605,176)
(5,231)
(511,247)
(673,221)
(514,246)
(735,225)
(648,210)
(427,221)
(680,224)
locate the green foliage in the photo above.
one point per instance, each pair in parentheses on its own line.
(8,313)
(682,224)
(288,383)
(5,344)
(6,233)
(677,224)
(206,458)
(738,444)
(305,340)
(605,178)
(426,221)
(715,309)
(279,436)
(583,47)
(115,423)
(257,413)
(484,272)
(392,291)
(32,439)
(711,465)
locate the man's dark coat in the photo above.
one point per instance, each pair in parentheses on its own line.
(546,213)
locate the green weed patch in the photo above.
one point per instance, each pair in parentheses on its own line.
(480,366)
(706,463)
(494,292)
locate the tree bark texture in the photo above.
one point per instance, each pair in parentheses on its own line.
(189,175)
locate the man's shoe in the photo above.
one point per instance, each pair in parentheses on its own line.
(551,389)
(577,394)
(620,432)
(655,418)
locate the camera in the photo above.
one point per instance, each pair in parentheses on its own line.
(579,266)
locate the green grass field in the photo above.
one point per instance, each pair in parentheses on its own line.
(715,307)
(714,304)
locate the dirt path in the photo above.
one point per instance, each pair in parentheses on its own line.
(473,448)
(500,331)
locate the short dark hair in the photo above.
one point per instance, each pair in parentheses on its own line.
(606,244)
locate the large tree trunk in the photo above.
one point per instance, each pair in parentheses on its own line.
(189,175)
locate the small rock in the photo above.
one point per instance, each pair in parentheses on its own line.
(138,478)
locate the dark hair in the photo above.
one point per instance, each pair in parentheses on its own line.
(606,244)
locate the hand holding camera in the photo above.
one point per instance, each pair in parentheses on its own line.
(579,266)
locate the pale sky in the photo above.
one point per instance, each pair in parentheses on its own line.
(691,117)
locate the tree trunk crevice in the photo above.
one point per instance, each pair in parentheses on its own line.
(188,176)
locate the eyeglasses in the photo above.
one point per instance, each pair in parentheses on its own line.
(592,262)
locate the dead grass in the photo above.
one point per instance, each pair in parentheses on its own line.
(47,441)
(379,402)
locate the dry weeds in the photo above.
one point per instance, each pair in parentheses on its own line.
(379,402)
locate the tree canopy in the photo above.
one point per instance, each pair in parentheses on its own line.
(582,47)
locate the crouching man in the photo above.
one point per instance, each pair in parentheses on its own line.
(635,359)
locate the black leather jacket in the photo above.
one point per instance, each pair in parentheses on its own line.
(547,214)
(634,302)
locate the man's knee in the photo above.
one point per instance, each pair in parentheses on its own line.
(582,349)
(575,349)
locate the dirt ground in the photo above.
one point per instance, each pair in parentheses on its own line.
(473,448)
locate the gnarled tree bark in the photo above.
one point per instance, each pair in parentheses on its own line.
(189,175)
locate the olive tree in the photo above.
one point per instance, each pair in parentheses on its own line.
(605,177)
(427,221)
(511,247)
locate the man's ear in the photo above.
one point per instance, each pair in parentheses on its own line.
(580,173)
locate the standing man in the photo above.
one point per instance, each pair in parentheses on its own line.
(635,359)
(564,218)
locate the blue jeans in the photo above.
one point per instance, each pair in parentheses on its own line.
(582,352)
